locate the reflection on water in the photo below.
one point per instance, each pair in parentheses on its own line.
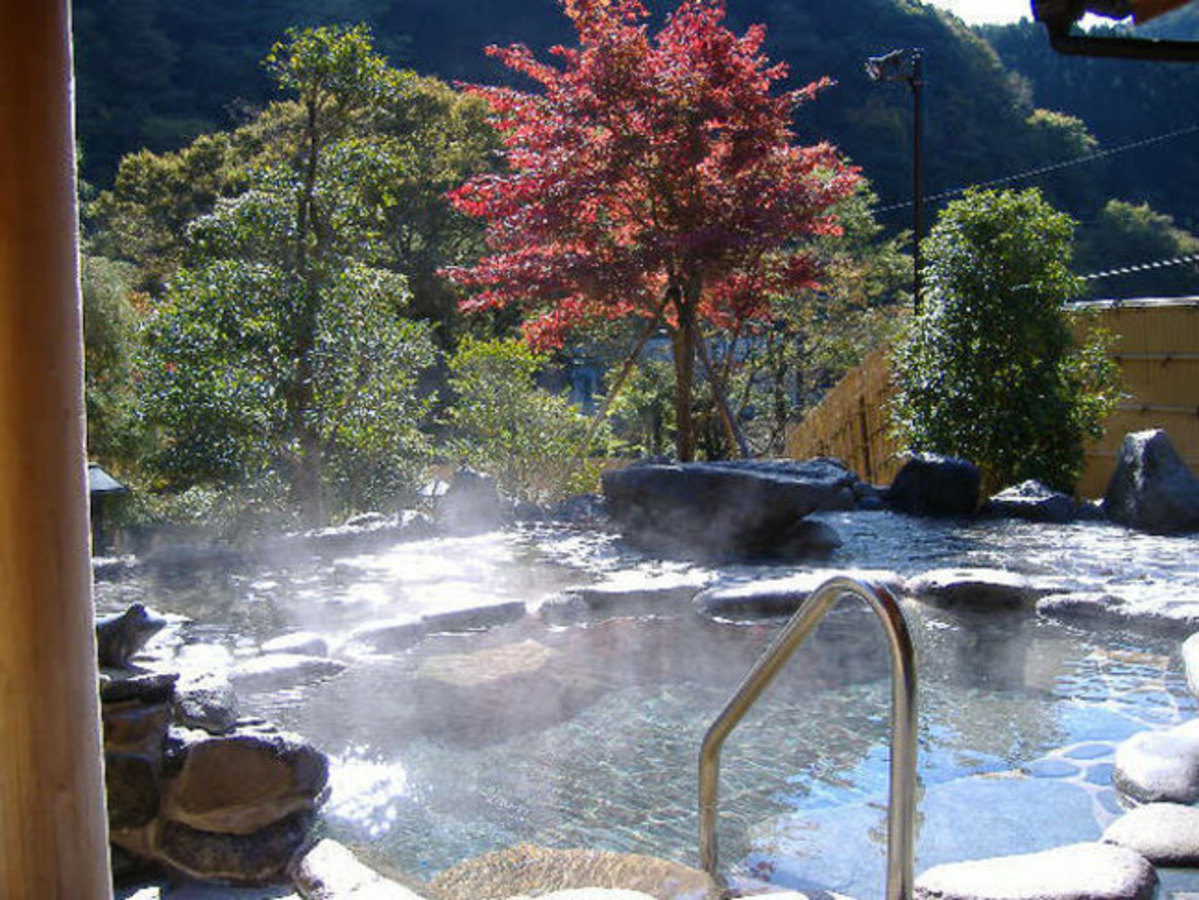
(587,734)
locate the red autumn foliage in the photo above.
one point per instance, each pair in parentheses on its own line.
(649,172)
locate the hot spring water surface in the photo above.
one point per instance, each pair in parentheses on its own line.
(586,734)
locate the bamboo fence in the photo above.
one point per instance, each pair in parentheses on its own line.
(1156,348)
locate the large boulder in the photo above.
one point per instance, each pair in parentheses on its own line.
(258,858)
(933,485)
(240,783)
(1152,489)
(471,504)
(734,509)
(1033,501)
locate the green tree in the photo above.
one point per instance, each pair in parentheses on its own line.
(143,219)
(279,346)
(527,438)
(110,341)
(990,370)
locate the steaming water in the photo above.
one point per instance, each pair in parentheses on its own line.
(587,734)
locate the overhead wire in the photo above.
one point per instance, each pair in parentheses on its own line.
(1046,169)
(1144,267)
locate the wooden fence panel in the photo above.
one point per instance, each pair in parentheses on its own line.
(1157,350)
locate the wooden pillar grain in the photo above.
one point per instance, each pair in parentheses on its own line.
(53,832)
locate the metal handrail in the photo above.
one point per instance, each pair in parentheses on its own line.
(901,812)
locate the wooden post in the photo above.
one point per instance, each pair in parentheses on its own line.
(53,831)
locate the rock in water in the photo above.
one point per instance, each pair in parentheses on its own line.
(1075,872)
(243,782)
(1166,834)
(1152,489)
(119,637)
(330,871)
(933,485)
(726,510)
(529,869)
(1033,501)
(471,504)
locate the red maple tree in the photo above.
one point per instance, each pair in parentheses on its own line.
(654,177)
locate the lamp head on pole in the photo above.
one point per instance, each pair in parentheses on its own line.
(898,65)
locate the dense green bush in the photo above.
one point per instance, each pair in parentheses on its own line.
(990,370)
(502,423)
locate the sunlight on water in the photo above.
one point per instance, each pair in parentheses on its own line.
(450,741)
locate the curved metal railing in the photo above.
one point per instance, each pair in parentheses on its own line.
(901,812)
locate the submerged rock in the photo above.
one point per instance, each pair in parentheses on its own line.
(489,695)
(1090,871)
(1152,488)
(591,893)
(1167,834)
(1033,501)
(934,485)
(727,510)
(529,869)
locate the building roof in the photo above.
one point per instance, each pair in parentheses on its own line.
(100,482)
(1060,16)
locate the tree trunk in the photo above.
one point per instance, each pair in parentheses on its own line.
(309,486)
(683,347)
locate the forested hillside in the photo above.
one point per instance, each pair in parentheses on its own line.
(156,74)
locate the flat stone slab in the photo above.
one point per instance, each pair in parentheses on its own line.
(1179,613)
(306,643)
(389,635)
(620,597)
(279,670)
(330,871)
(1167,834)
(979,589)
(533,870)
(1156,766)
(475,618)
(1090,871)
(775,597)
